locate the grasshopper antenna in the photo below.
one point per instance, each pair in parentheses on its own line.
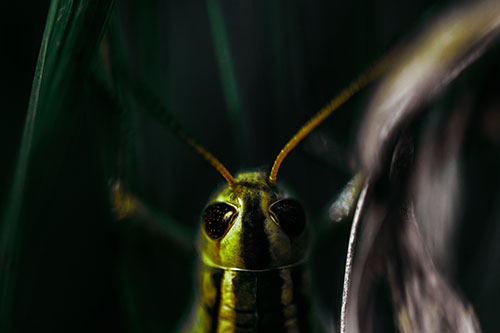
(364,79)
(191,142)
(156,109)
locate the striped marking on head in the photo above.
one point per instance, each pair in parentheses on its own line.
(240,229)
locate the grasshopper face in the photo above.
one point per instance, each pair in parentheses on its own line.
(253,225)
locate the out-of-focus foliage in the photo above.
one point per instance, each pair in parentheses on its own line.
(55,193)
(413,156)
(67,265)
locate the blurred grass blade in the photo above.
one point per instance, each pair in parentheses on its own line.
(423,69)
(9,225)
(228,77)
(13,208)
(393,273)
(142,305)
(70,39)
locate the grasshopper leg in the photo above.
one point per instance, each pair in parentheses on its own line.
(128,207)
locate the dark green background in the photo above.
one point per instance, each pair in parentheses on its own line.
(79,270)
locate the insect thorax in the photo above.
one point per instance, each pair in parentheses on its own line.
(276,300)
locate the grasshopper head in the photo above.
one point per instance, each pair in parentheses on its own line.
(253,225)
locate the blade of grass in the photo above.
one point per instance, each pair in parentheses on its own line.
(228,78)
(9,227)
(71,36)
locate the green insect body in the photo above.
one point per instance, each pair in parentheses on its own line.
(252,300)
(253,247)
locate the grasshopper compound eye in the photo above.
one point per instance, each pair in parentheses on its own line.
(289,215)
(218,218)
